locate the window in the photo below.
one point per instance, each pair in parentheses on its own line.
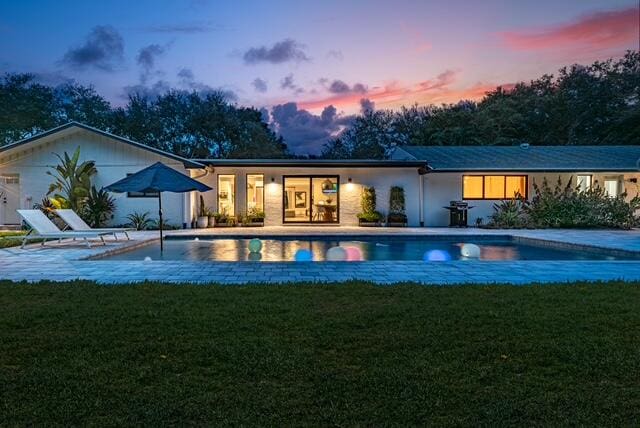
(493,186)
(255,192)
(311,199)
(583,182)
(227,194)
(611,187)
(141,194)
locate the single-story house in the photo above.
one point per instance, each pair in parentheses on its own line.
(310,191)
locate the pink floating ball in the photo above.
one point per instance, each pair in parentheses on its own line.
(353,254)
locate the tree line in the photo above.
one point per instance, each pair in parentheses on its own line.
(582,105)
(597,104)
(189,124)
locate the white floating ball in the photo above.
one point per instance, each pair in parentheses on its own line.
(147,259)
(196,239)
(255,245)
(336,254)
(471,251)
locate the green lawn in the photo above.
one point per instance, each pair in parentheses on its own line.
(350,354)
(11,238)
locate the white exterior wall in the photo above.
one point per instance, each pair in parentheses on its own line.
(114,160)
(441,188)
(380,178)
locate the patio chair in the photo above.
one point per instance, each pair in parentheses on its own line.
(76,223)
(43,228)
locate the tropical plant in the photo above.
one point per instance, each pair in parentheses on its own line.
(72,180)
(47,206)
(140,221)
(98,208)
(368,205)
(396,206)
(256,214)
(508,214)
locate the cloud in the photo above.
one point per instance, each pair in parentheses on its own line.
(147,56)
(288,84)
(189,82)
(340,87)
(304,132)
(443,88)
(595,31)
(284,51)
(260,85)
(184,28)
(366,105)
(335,54)
(103,49)
(148,91)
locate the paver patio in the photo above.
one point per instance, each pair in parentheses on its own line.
(66,261)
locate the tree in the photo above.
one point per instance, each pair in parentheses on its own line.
(72,181)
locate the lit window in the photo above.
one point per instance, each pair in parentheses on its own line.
(227,194)
(255,192)
(611,187)
(583,182)
(472,187)
(515,186)
(494,186)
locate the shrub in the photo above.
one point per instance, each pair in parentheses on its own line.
(396,206)
(368,205)
(508,214)
(566,206)
(139,221)
(98,208)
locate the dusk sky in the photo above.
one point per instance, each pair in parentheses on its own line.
(314,54)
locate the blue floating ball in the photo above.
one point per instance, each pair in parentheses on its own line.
(436,256)
(303,255)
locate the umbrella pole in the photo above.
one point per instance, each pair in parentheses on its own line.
(161,222)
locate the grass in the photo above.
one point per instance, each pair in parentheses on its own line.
(11,238)
(346,354)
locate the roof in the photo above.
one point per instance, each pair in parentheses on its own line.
(188,163)
(527,158)
(315,163)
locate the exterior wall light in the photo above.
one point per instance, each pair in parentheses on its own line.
(273,180)
(349,180)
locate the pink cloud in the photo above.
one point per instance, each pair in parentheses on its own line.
(597,31)
(395,94)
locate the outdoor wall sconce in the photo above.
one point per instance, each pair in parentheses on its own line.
(273,180)
(349,179)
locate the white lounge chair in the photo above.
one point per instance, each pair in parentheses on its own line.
(78,224)
(43,228)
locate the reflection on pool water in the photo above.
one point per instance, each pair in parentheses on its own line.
(429,249)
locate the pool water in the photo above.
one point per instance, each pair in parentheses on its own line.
(277,249)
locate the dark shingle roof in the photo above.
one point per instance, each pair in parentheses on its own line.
(531,158)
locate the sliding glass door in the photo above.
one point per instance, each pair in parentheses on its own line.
(311,199)
(227,194)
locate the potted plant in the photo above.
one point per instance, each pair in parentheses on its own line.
(255,217)
(397,216)
(203,216)
(369,216)
(223,220)
(212,217)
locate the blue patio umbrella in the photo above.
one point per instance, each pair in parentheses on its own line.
(157,178)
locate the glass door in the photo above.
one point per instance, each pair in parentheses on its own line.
(227,194)
(310,199)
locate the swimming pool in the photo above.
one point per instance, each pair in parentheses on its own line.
(369,248)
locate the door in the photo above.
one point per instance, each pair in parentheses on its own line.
(310,199)
(9,198)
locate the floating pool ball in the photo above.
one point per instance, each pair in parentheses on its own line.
(336,254)
(353,254)
(471,251)
(303,256)
(147,259)
(196,239)
(255,245)
(436,256)
(255,256)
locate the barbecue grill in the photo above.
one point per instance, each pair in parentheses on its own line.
(458,213)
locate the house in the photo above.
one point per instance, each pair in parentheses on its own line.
(483,175)
(309,191)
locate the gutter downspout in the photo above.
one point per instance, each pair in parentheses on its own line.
(186,202)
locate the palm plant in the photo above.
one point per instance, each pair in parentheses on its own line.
(140,221)
(98,207)
(72,183)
